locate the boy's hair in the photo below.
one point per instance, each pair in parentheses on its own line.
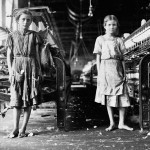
(111,17)
(23,11)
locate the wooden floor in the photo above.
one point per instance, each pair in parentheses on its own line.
(43,134)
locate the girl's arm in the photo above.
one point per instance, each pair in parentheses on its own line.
(123,50)
(9,62)
(38,43)
(98,61)
(38,58)
(38,55)
(124,70)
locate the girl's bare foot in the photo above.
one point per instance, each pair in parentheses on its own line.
(123,126)
(110,128)
(12,134)
(22,134)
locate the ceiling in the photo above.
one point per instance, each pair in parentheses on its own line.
(70,13)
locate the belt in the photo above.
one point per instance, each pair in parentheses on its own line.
(17,56)
(115,57)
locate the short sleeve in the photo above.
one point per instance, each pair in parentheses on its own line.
(122,46)
(98,46)
(38,39)
(9,42)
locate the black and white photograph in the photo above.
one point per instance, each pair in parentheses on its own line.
(74,75)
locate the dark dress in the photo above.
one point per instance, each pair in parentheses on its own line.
(25,87)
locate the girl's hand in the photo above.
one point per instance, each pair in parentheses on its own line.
(41,76)
(125,78)
(10,78)
(98,74)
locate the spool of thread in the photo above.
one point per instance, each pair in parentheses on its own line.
(22,71)
(143,21)
(125,35)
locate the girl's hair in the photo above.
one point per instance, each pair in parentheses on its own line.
(23,11)
(112,17)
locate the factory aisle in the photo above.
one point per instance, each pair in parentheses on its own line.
(44,135)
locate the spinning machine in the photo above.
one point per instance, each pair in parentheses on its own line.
(137,60)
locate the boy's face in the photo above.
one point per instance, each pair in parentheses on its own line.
(111,26)
(24,21)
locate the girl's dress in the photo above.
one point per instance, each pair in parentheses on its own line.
(111,87)
(25,87)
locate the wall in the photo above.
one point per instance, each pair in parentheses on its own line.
(6,9)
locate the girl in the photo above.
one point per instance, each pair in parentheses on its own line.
(24,71)
(111,89)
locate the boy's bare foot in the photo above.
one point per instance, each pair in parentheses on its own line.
(125,127)
(110,128)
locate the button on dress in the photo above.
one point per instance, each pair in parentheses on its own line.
(111,87)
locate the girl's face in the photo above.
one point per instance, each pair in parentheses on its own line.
(24,21)
(111,27)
